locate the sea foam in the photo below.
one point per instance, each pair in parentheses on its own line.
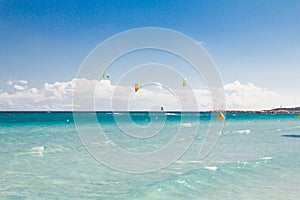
(243,131)
(212,168)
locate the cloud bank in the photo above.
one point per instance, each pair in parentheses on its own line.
(58,97)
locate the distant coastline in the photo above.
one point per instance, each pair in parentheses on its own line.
(295,110)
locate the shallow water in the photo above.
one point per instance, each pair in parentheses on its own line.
(257,157)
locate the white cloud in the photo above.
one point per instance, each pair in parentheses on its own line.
(58,96)
(251,97)
(59,89)
(20,87)
(20,82)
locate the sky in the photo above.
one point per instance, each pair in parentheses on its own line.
(255,45)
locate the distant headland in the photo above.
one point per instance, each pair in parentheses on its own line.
(295,110)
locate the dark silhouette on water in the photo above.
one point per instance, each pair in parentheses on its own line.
(292,136)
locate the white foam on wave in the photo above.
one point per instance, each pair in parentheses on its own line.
(212,168)
(183,182)
(41,148)
(171,114)
(266,158)
(243,131)
(116,113)
(187,124)
(38,150)
(188,162)
(243,162)
(195,161)
(180,181)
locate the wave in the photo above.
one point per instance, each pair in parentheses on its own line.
(246,131)
(211,168)
(242,162)
(41,148)
(187,124)
(38,151)
(183,182)
(266,158)
(180,181)
(188,162)
(172,114)
(243,131)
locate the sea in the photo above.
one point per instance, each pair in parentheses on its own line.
(43,156)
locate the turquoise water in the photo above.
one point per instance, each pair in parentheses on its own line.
(257,157)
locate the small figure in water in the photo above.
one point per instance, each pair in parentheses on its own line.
(161,109)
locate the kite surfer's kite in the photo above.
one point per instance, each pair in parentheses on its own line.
(137,87)
(184,82)
(105,75)
(221,116)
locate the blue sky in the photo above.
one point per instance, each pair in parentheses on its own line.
(250,41)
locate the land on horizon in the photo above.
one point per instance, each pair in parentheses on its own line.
(294,110)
